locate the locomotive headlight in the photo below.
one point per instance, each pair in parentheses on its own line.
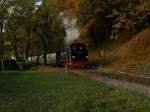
(73,57)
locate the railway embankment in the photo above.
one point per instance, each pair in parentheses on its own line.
(129,53)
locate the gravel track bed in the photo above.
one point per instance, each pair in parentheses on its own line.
(140,85)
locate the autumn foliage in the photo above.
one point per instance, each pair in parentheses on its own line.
(65,4)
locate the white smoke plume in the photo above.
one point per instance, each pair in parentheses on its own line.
(72,31)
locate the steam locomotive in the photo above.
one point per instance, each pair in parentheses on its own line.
(75,56)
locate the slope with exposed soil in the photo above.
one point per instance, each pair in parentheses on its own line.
(131,55)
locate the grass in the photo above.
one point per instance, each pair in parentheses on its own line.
(64,92)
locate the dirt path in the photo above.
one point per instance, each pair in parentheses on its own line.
(139,88)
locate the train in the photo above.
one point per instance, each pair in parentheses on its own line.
(75,55)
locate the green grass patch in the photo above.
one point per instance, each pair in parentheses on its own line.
(64,92)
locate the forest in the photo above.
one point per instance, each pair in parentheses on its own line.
(34,27)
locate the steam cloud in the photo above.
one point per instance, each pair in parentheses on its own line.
(72,31)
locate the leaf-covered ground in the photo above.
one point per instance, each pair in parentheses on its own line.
(64,92)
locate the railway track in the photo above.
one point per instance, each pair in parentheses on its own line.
(140,85)
(118,76)
(129,78)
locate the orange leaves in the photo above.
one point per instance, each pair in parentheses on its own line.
(65,4)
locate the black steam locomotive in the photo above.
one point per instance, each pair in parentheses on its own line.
(75,56)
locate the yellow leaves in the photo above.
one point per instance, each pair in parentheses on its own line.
(142,12)
(143,7)
(130,17)
(115,13)
(120,22)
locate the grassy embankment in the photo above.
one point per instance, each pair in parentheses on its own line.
(130,53)
(64,92)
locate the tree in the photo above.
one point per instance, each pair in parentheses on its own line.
(42,29)
(49,29)
(20,17)
(28,26)
(4,6)
(131,16)
(93,18)
(13,26)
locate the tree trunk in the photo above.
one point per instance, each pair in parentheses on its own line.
(37,61)
(45,53)
(45,48)
(27,50)
(28,29)
(15,50)
(14,44)
(2,43)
